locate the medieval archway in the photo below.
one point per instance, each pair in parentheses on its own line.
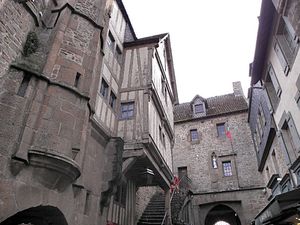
(40,215)
(222,215)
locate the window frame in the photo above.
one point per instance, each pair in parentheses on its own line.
(199,110)
(273,87)
(112,100)
(111,42)
(288,137)
(223,134)
(123,111)
(104,88)
(119,54)
(227,172)
(194,138)
(285,52)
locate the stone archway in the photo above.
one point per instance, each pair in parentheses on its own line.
(40,215)
(222,213)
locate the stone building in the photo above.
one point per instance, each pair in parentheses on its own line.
(274,113)
(214,149)
(86,113)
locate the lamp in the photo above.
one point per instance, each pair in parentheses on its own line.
(148,175)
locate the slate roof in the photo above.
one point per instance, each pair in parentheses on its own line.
(215,106)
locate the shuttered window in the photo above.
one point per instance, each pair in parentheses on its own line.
(289,138)
(273,88)
(275,81)
(286,44)
(281,58)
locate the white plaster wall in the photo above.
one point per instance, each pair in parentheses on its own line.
(289,89)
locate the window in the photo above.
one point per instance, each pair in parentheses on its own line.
(118,54)
(227,169)
(287,186)
(160,132)
(199,108)
(289,143)
(162,136)
(110,41)
(289,137)
(104,88)
(194,135)
(268,173)
(24,85)
(182,172)
(221,129)
(112,100)
(286,45)
(273,87)
(275,161)
(164,140)
(127,110)
(295,168)
(77,78)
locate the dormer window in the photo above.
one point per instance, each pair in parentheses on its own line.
(199,108)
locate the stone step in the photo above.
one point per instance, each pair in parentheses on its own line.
(155,207)
(159,219)
(153,216)
(154,211)
(149,223)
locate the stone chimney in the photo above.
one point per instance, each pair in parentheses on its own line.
(237,88)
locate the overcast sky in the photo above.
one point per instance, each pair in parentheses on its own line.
(213,41)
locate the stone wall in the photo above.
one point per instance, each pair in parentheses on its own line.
(197,156)
(15,23)
(143,196)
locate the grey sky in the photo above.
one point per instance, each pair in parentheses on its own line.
(212,41)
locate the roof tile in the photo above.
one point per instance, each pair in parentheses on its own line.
(215,106)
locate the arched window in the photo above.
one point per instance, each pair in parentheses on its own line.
(214,160)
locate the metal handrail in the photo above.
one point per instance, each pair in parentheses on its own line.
(166,212)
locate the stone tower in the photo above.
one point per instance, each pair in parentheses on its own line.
(57,163)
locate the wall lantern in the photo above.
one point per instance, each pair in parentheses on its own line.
(148,175)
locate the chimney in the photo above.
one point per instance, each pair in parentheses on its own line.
(237,88)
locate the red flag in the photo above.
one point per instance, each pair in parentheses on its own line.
(175,184)
(228,134)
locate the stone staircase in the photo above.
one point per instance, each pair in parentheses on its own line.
(155,210)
